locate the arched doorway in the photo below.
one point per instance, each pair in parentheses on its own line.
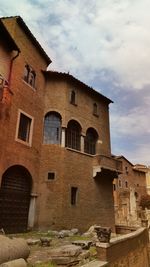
(15,199)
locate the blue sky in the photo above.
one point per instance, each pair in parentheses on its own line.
(106,44)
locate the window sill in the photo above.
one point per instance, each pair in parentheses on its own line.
(96,115)
(29,85)
(74,104)
(23,142)
(80,152)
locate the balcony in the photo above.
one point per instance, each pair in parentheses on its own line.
(107,163)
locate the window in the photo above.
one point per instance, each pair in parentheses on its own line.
(119,183)
(95,110)
(126,170)
(24,127)
(90,141)
(114,187)
(26,73)
(51,176)
(32,78)
(73,97)
(73,135)
(126,184)
(29,75)
(74,195)
(52,128)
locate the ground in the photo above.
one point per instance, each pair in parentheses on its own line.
(40,256)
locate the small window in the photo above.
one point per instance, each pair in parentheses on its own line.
(26,73)
(73,97)
(24,128)
(51,176)
(126,184)
(114,187)
(29,75)
(95,109)
(126,169)
(74,195)
(32,78)
(119,183)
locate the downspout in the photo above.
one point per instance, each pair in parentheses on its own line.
(10,69)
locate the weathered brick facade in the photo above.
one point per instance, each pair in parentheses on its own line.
(128,189)
(69,187)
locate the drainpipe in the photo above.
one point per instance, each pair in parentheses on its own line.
(11,65)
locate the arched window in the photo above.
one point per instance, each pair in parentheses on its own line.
(73,97)
(52,128)
(90,141)
(26,73)
(73,135)
(95,110)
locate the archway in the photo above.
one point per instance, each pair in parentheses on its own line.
(15,199)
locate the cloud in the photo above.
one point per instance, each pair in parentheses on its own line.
(88,36)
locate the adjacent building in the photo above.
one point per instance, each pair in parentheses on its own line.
(128,189)
(56,168)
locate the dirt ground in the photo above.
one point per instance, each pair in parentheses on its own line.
(40,255)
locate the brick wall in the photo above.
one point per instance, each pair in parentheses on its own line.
(28,100)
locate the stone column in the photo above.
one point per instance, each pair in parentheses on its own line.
(98,146)
(63,137)
(82,143)
(31,215)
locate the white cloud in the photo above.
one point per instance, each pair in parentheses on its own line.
(92,35)
(135,123)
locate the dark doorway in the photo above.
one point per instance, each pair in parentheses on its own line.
(15,199)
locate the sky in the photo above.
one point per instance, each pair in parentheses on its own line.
(105,44)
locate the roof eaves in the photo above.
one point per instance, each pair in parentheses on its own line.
(123,157)
(72,78)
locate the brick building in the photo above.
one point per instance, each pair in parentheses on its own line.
(56,168)
(128,189)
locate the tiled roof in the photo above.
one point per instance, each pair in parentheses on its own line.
(71,78)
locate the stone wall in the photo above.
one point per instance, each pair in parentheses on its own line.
(130,250)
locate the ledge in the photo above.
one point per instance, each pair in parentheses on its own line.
(119,239)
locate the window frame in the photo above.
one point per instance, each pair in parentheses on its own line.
(29,141)
(95,109)
(119,183)
(73,97)
(90,141)
(73,195)
(50,173)
(30,78)
(52,126)
(73,135)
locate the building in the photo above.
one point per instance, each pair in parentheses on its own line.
(56,168)
(128,189)
(145,169)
